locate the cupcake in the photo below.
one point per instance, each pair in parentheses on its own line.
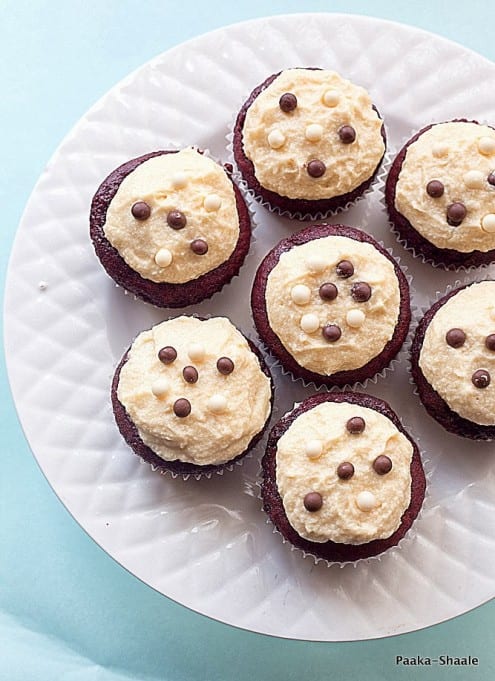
(331,305)
(170,227)
(307,142)
(440,194)
(191,396)
(453,361)
(342,479)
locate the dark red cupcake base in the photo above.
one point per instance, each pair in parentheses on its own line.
(447,258)
(162,294)
(130,433)
(296,208)
(436,407)
(272,341)
(332,551)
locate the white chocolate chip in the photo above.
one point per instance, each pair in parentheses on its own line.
(314,132)
(355,318)
(440,149)
(276,139)
(309,323)
(179,180)
(486,146)
(212,202)
(163,257)
(315,263)
(488,223)
(196,352)
(313,449)
(474,179)
(331,98)
(160,387)
(300,294)
(366,501)
(217,404)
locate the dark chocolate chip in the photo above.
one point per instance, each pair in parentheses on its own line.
(455,338)
(355,425)
(331,332)
(328,291)
(481,378)
(313,501)
(167,354)
(199,246)
(176,219)
(287,102)
(140,210)
(190,374)
(435,189)
(382,464)
(182,407)
(347,134)
(225,365)
(361,291)
(490,342)
(456,212)
(345,470)
(491,178)
(316,168)
(345,269)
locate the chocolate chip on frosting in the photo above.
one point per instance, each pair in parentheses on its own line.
(347,134)
(355,318)
(345,269)
(328,291)
(309,322)
(316,168)
(331,332)
(217,404)
(456,212)
(313,132)
(199,247)
(361,291)
(182,407)
(176,219)
(455,338)
(313,501)
(345,470)
(287,102)
(140,210)
(490,342)
(382,464)
(225,365)
(481,378)
(355,425)
(488,223)
(435,189)
(300,294)
(491,178)
(190,374)
(167,354)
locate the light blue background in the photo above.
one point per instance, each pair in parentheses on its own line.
(67,611)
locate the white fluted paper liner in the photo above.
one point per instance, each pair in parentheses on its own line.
(380,189)
(258,448)
(315,217)
(473,277)
(409,537)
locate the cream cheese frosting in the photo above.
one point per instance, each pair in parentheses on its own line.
(282,144)
(186,182)
(461,156)
(298,314)
(229,403)
(450,370)
(365,506)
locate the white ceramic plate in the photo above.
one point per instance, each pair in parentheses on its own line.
(206,544)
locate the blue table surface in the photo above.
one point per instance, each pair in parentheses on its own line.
(67,610)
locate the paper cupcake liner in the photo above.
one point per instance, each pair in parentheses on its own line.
(420,311)
(303,217)
(254,450)
(409,537)
(380,188)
